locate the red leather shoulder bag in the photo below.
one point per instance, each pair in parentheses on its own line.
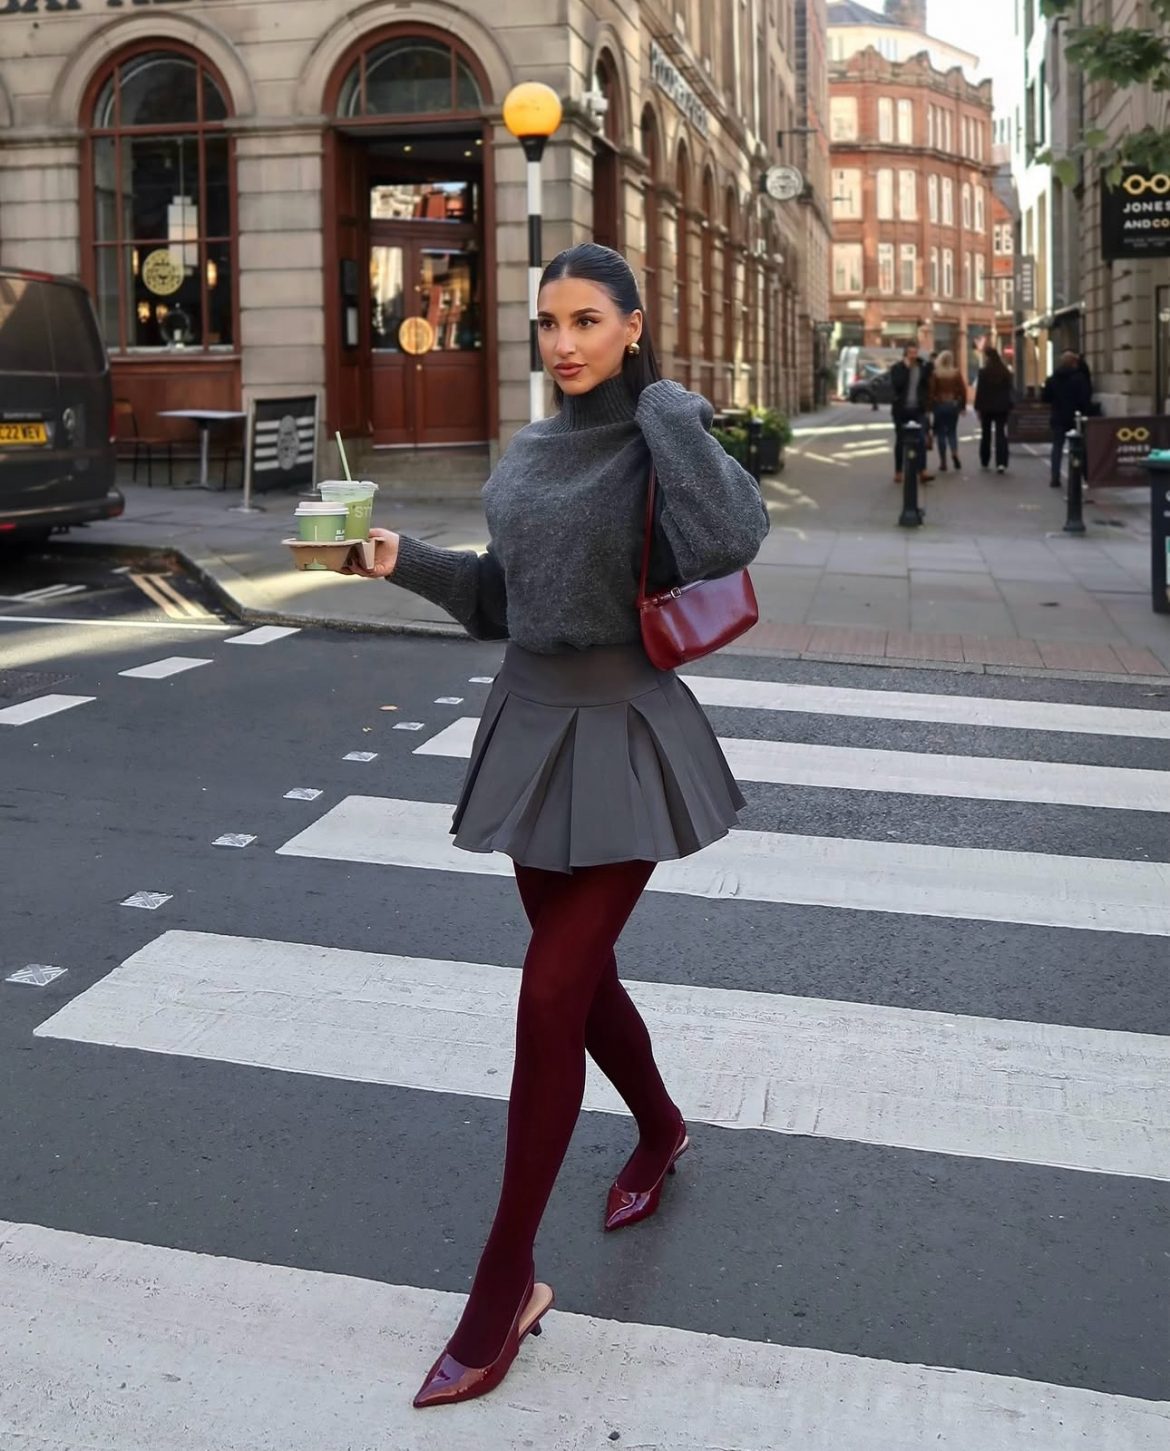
(691,620)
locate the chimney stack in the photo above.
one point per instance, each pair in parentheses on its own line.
(911,13)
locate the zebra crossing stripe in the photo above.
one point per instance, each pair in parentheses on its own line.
(29,710)
(967,710)
(153,1342)
(1038,1093)
(911,773)
(1089,893)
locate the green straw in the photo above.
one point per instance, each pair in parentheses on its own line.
(344,460)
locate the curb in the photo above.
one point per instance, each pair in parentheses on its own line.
(215,575)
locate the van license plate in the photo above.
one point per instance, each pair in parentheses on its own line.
(23,433)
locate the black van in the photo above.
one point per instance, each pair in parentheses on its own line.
(56,409)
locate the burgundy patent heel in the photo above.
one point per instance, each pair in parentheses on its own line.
(628,1206)
(450,1380)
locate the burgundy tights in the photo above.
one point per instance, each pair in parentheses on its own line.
(570,1001)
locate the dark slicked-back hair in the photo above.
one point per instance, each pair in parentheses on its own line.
(609,269)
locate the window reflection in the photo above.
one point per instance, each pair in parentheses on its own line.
(432,201)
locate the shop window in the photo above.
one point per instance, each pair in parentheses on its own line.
(162,226)
(409,76)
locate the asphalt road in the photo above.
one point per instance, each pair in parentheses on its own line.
(863,1230)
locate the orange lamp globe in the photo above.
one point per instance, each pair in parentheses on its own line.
(532,109)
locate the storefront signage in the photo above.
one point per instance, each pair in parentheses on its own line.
(1116,448)
(162,273)
(49,7)
(416,336)
(283,442)
(1135,216)
(667,79)
(1026,284)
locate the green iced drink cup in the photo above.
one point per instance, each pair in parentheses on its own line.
(358,497)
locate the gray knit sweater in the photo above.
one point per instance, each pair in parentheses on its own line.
(565,512)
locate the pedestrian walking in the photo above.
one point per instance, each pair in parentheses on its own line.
(948,401)
(589,765)
(1067,391)
(910,381)
(994,400)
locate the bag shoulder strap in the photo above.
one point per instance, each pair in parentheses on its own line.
(648,533)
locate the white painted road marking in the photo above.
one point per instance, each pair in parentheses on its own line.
(176,627)
(48,592)
(264,635)
(1035,1093)
(37,974)
(1093,893)
(234,839)
(154,1342)
(911,773)
(972,710)
(162,669)
(360,756)
(149,901)
(41,706)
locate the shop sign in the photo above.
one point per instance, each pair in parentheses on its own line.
(1116,448)
(162,273)
(667,79)
(1026,284)
(1135,216)
(416,336)
(51,7)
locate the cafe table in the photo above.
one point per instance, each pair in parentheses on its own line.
(204,417)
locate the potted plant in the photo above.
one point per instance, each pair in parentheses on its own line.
(776,436)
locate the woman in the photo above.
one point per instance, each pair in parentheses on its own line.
(994,399)
(948,399)
(589,765)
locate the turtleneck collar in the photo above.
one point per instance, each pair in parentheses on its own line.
(609,402)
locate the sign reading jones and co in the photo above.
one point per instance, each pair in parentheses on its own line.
(1116,448)
(1135,216)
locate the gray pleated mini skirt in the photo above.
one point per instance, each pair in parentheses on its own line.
(593,757)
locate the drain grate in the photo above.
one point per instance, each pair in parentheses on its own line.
(15,683)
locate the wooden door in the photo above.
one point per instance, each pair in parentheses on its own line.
(437,395)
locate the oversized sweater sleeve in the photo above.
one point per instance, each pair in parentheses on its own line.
(712,513)
(470,587)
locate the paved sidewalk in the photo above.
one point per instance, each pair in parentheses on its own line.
(990,582)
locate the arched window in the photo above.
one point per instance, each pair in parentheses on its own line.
(652,151)
(409,75)
(708,269)
(607,227)
(159,165)
(682,290)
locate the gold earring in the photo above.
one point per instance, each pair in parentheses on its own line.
(633,349)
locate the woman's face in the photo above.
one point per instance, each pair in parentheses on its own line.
(583,333)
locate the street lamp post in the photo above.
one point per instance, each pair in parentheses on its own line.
(532,112)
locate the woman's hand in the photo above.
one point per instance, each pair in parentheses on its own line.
(385,557)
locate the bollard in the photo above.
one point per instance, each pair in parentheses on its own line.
(755,432)
(911,516)
(1075,523)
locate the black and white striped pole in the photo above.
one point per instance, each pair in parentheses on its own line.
(532,112)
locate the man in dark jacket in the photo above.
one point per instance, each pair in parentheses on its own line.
(1067,392)
(910,380)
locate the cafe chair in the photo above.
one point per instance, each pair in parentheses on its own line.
(131,442)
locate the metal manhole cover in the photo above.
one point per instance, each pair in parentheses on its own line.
(15,683)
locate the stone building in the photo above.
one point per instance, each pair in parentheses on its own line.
(912,170)
(260,195)
(1125,287)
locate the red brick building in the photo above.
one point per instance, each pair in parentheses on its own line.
(1005,215)
(912,170)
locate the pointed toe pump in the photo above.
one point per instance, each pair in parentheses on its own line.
(628,1206)
(450,1380)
